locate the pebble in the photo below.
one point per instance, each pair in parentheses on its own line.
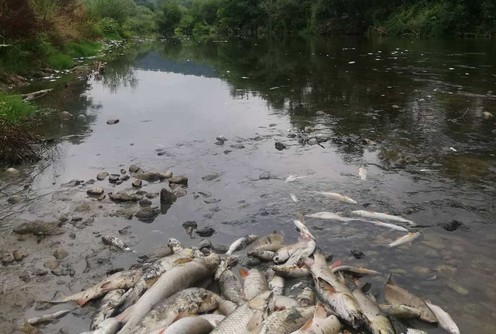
(137,183)
(205,232)
(7,258)
(280,146)
(60,254)
(112,121)
(12,171)
(238,146)
(210,177)
(312,141)
(134,169)
(19,255)
(179,180)
(125,177)
(147,214)
(113,178)
(102,176)
(14,199)
(167,174)
(180,192)
(51,264)
(152,195)
(167,196)
(145,203)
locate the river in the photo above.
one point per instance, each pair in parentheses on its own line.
(417,115)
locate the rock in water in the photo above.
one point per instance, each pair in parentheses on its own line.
(95,191)
(114,178)
(167,196)
(147,215)
(102,176)
(210,177)
(39,227)
(112,121)
(137,183)
(179,180)
(134,169)
(280,146)
(205,232)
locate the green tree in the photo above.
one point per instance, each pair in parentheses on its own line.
(169,17)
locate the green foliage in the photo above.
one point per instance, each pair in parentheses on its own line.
(118,10)
(169,17)
(13,109)
(142,22)
(59,61)
(108,27)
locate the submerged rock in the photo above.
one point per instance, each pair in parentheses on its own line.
(280,146)
(179,180)
(205,232)
(134,169)
(39,227)
(114,178)
(97,191)
(210,177)
(147,214)
(112,121)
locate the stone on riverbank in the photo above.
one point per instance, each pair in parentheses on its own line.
(179,180)
(112,121)
(167,196)
(102,176)
(97,191)
(39,227)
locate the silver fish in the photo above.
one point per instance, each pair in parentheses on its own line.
(247,318)
(381,216)
(300,249)
(292,271)
(445,320)
(405,239)
(301,227)
(188,325)
(334,292)
(294,177)
(116,242)
(337,197)
(187,302)
(377,322)
(400,311)
(276,285)
(396,295)
(119,280)
(108,326)
(271,242)
(47,317)
(357,271)
(320,323)
(108,304)
(287,321)
(254,282)
(230,287)
(284,302)
(330,216)
(389,225)
(262,254)
(293,197)
(176,279)
(241,243)
(362,172)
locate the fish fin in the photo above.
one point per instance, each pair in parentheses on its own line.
(320,311)
(307,325)
(254,321)
(389,279)
(326,286)
(335,264)
(243,273)
(183,260)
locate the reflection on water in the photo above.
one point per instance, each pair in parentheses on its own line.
(416,114)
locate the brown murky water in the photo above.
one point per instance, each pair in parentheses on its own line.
(415,114)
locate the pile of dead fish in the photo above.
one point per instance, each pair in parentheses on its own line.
(195,290)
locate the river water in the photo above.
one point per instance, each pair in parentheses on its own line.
(415,114)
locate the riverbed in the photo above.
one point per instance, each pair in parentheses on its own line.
(418,116)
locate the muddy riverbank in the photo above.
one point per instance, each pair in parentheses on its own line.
(396,108)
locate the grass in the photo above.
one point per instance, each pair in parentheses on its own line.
(13,109)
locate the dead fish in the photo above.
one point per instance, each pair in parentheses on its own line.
(108,326)
(241,243)
(225,264)
(337,197)
(293,197)
(188,325)
(284,302)
(119,280)
(115,242)
(301,247)
(377,322)
(254,282)
(396,295)
(271,242)
(230,287)
(320,323)
(330,216)
(444,319)
(108,304)
(187,302)
(294,177)
(301,227)
(247,318)
(262,255)
(161,265)
(276,285)
(400,311)
(214,319)
(176,279)
(334,292)
(287,321)
(357,271)
(389,225)
(306,297)
(362,172)
(175,245)
(292,271)
(381,216)
(405,239)
(47,317)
